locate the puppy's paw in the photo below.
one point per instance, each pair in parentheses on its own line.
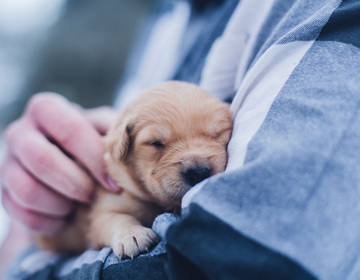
(134,241)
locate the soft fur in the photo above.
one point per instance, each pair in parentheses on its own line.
(168,130)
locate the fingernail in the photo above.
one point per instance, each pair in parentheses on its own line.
(112,184)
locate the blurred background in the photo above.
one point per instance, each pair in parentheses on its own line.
(77,48)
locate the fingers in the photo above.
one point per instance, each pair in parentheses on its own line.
(38,180)
(29,193)
(68,127)
(31,220)
(48,164)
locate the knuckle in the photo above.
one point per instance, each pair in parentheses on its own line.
(43,100)
(67,129)
(63,124)
(39,159)
(22,187)
(27,193)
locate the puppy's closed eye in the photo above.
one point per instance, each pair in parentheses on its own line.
(157,144)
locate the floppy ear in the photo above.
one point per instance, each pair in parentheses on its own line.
(118,141)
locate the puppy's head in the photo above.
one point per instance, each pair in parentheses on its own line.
(171,138)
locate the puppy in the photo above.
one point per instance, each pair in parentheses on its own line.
(170,138)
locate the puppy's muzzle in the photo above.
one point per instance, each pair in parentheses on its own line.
(196,175)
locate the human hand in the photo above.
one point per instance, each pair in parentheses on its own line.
(39,181)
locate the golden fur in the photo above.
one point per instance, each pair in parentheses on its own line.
(168,130)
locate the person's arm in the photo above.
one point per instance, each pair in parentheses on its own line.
(39,182)
(288,205)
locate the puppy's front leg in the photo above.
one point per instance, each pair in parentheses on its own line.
(117,221)
(123,233)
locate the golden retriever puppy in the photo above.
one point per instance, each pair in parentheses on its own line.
(166,141)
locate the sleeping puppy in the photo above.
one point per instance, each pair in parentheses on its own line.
(169,139)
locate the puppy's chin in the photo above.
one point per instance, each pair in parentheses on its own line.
(168,193)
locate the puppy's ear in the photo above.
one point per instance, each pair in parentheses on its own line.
(118,141)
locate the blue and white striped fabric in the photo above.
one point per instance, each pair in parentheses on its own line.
(288,204)
(293,178)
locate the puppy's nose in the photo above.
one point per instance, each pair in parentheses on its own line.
(196,175)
